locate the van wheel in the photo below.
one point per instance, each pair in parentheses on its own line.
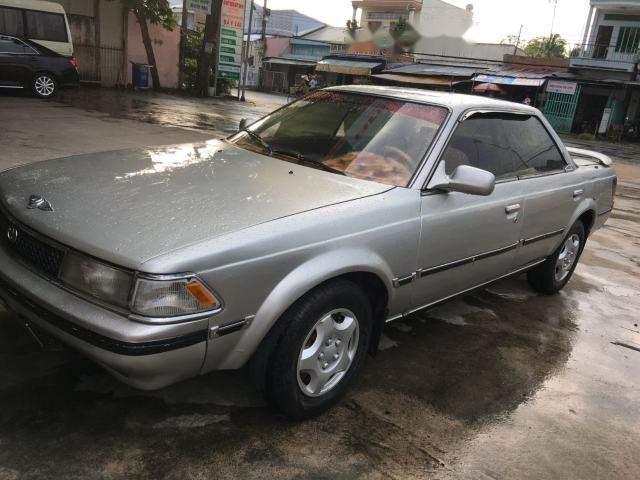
(551,276)
(44,85)
(320,351)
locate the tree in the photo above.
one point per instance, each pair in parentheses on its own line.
(156,12)
(553,46)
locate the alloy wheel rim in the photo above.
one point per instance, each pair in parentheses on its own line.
(44,86)
(328,352)
(567,257)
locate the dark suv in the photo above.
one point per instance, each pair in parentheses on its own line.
(25,64)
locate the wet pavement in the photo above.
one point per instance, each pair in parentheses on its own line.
(221,116)
(502,383)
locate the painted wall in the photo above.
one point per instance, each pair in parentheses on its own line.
(165,46)
(276,46)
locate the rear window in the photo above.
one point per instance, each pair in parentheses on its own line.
(10,45)
(45,26)
(11,21)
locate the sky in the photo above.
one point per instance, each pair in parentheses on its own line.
(493,19)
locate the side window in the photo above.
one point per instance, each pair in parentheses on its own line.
(11,21)
(509,146)
(45,26)
(534,146)
(480,142)
(11,45)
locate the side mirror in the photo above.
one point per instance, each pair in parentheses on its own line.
(464,179)
(243,124)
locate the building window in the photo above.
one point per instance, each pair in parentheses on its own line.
(628,40)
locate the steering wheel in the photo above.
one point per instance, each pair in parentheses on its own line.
(400,156)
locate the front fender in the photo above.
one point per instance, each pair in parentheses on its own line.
(298,282)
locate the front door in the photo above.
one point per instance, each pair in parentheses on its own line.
(468,240)
(13,62)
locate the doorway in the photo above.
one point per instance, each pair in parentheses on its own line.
(603,41)
(589,112)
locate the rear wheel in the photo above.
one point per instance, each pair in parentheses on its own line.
(44,85)
(320,351)
(551,276)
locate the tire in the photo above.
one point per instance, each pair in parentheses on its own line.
(44,85)
(321,348)
(551,276)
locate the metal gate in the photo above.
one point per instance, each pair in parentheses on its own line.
(560,109)
(275,81)
(100,64)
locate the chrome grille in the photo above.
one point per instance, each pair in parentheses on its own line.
(40,255)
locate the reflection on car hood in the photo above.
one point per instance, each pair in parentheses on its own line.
(129,206)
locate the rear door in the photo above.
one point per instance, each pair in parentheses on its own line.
(551,189)
(467,240)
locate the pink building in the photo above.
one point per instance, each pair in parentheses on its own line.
(166,46)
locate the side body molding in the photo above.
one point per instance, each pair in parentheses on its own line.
(297,283)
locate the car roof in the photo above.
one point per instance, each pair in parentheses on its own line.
(458,102)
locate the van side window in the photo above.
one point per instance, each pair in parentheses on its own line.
(45,26)
(509,146)
(11,22)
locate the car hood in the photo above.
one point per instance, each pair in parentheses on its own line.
(129,206)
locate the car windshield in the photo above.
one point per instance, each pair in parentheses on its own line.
(355,135)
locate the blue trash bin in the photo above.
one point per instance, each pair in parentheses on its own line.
(140,75)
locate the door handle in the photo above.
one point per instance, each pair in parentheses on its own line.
(578,193)
(512,209)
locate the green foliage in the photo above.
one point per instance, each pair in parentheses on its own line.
(547,47)
(192,47)
(157,12)
(510,40)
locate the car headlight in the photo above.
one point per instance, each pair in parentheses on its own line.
(164,297)
(97,279)
(154,296)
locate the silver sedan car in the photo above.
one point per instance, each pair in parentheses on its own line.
(290,244)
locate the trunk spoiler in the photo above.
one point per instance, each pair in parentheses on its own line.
(600,158)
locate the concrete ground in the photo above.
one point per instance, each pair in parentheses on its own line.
(502,383)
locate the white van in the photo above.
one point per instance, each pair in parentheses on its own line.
(42,22)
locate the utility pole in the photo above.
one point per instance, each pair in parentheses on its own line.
(553,21)
(515,50)
(265,14)
(184,26)
(209,58)
(246,55)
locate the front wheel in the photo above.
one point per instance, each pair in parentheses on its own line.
(44,85)
(321,350)
(551,276)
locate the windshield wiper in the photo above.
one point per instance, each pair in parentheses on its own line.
(260,140)
(301,158)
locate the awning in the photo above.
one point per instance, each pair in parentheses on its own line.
(413,79)
(434,70)
(290,61)
(522,82)
(349,67)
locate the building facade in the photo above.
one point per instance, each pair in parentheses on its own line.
(601,92)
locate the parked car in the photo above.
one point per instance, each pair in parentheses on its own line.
(290,244)
(25,64)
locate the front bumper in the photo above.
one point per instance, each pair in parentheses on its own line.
(144,356)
